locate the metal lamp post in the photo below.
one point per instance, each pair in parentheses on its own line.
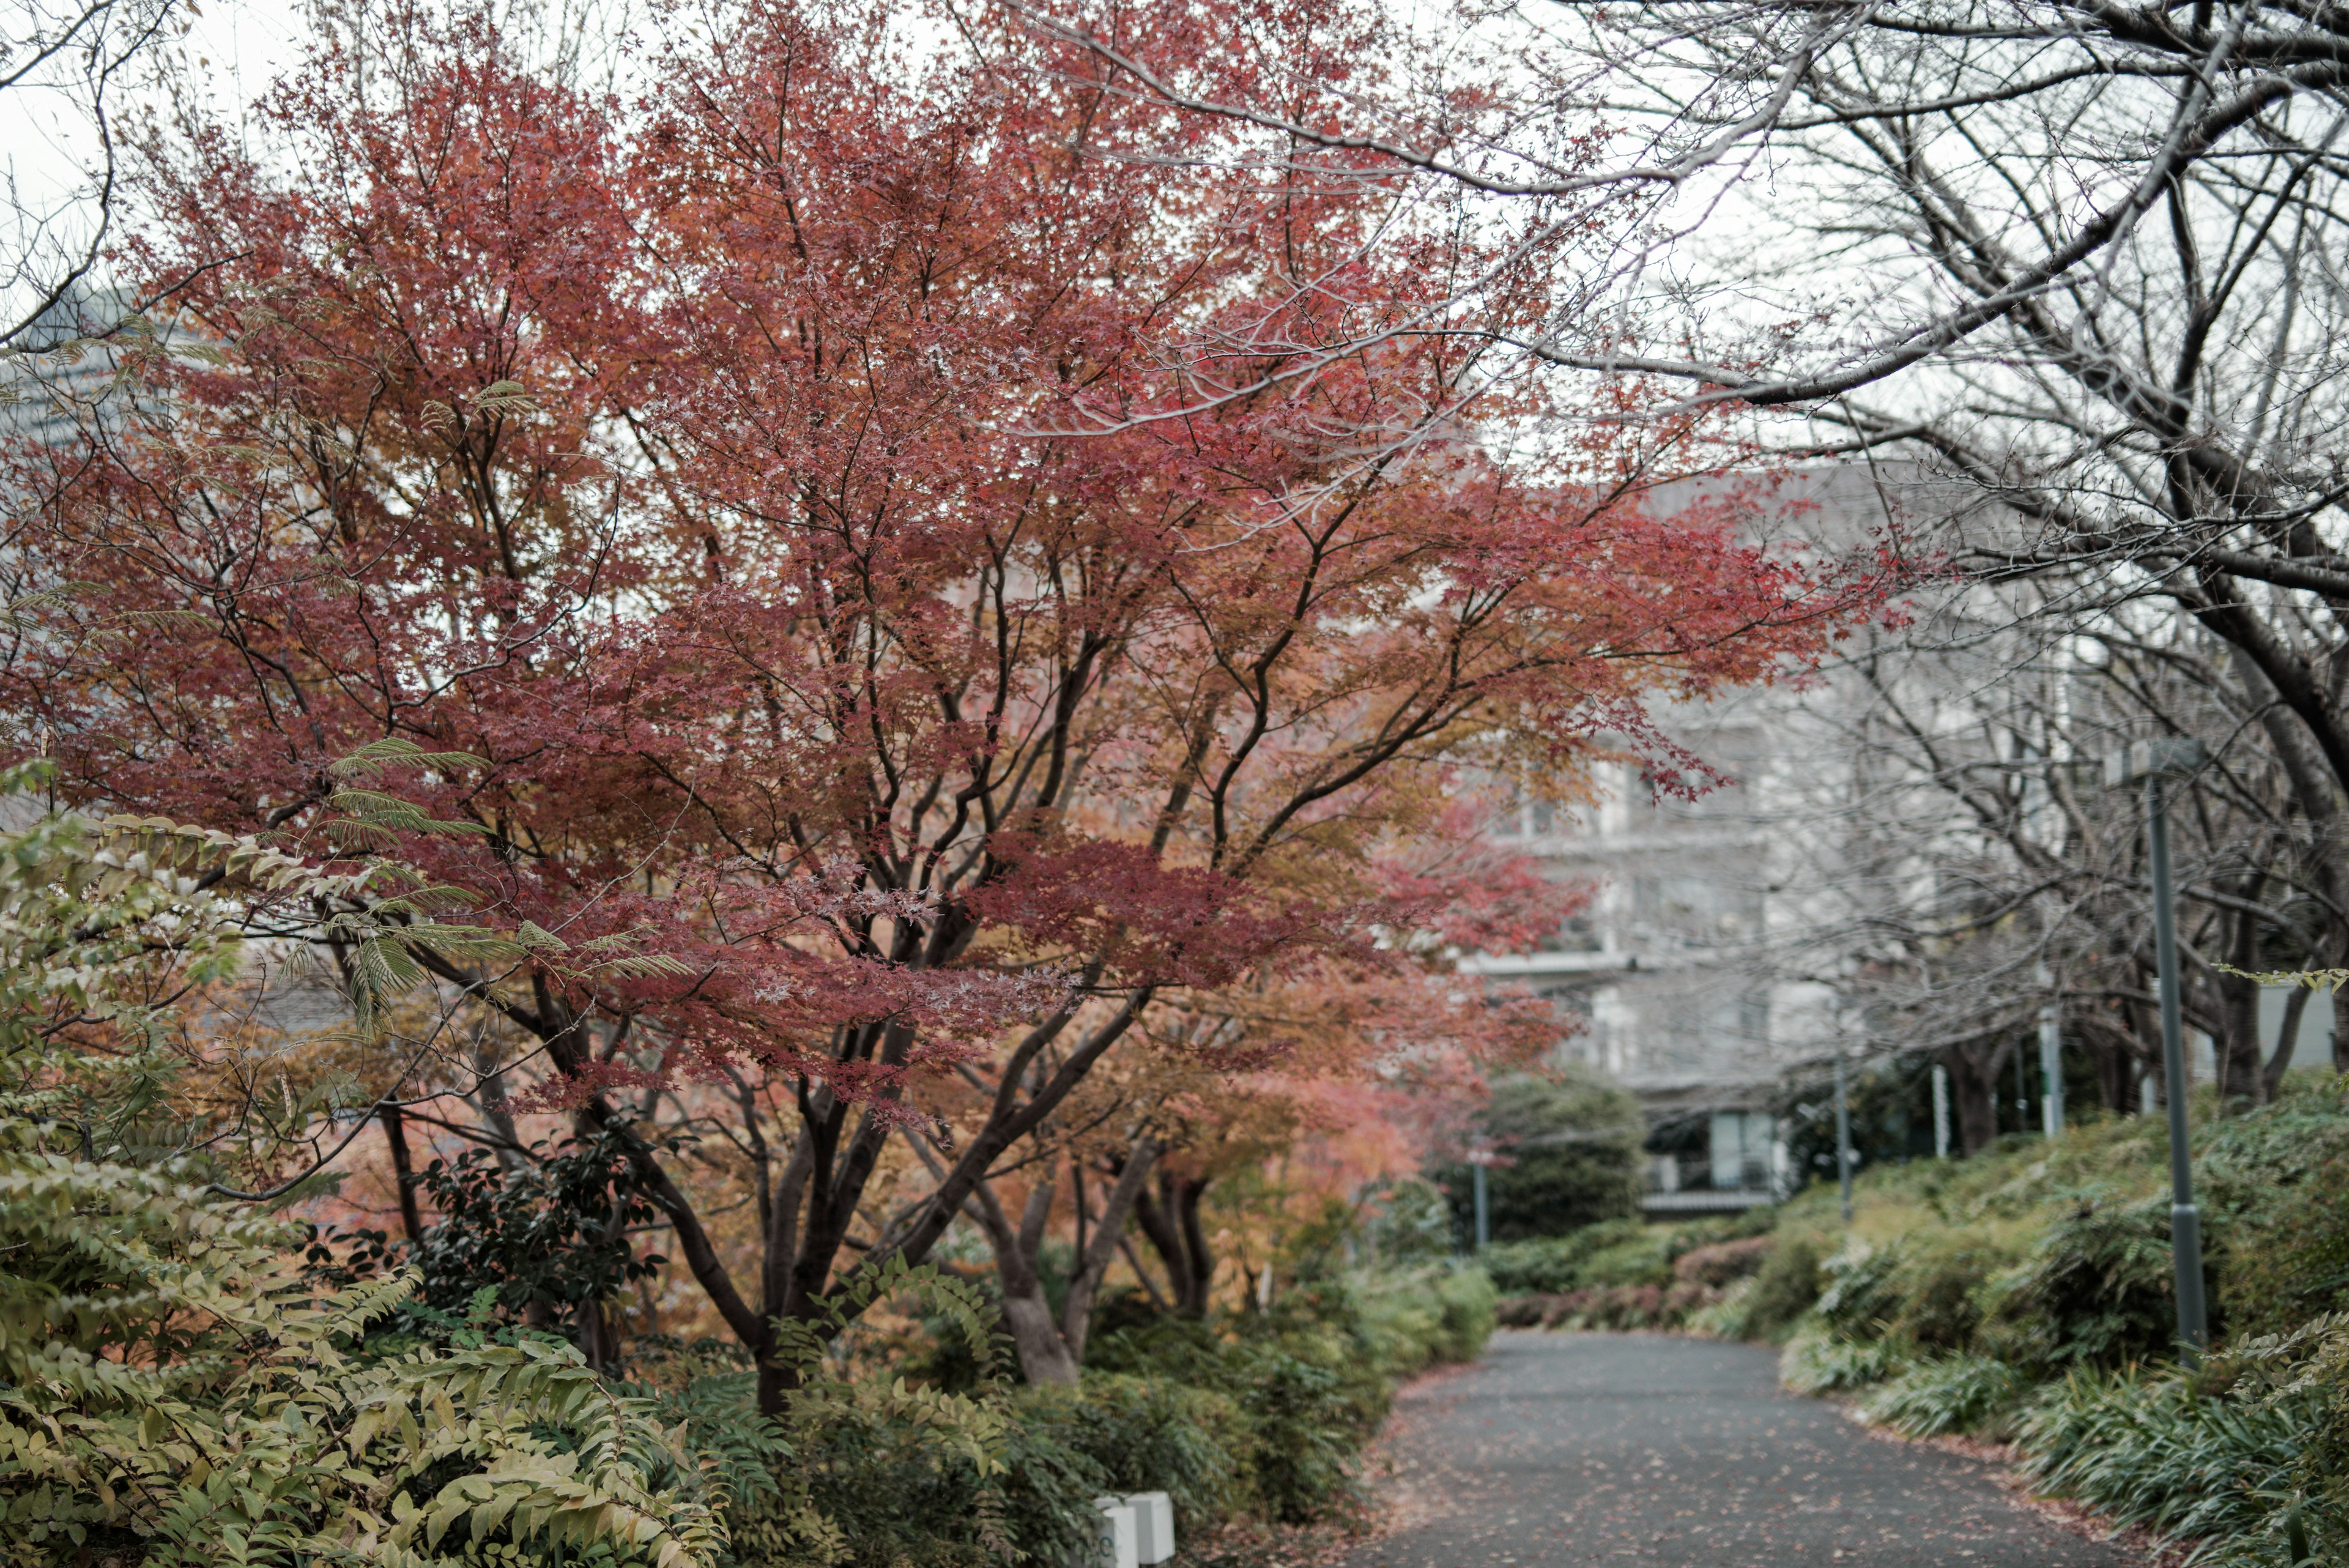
(2148,762)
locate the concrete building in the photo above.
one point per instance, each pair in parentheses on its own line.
(1664,978)
(1675,979)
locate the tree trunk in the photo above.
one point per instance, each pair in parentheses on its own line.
(2114,1052)
(2287,1038)
(403,1169)
(2236,1048)
(1043,1356)
(1973,1088)
(1172,1224)
(2145,1019)
(2340,1030)
(1052,1352)
(490,1081)
(1092,1264)
(1194,1238)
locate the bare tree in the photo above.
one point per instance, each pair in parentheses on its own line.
(1971,868)
(64,70)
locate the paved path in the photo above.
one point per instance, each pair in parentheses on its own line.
(1632,1450)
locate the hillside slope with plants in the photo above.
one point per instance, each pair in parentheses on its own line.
(2025,1296)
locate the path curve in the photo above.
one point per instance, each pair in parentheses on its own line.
(1625,1450)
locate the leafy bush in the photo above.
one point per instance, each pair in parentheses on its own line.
(1297,1392)
(2154,1452)
(2302,1377)
(1785,1288)
(2098,1291)
(1724,1317)
(1941,1286)
(170,1387)
(1863,1293)
(1428,1317)
(1723,1262)
(2292,1242)
(1551,1265)
(1816,1361)
(175,1385)
(1306,1408)
(1138,1434)
(2029,1291)
(1628,1253)
(1571,1148)
(1970,1394)
(550,1240)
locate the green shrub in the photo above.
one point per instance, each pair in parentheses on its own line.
(1718,1264)
(1939,1288)
(1573,1148)
(1552,1265)
(1816,1361)
(1785,1288)
(868,1468)
(2153,1451)
(1465,1299)
(1725,1318)
(2098,1292)
(2284,1260)
(172,1387)
(871,1470)
(1972,1394)
(1642,1258)
(1117,1434)
(2305,1377)
(176,1387)
(1410,1319)
(1307,1398)
(1303,1388)
(1863,1295)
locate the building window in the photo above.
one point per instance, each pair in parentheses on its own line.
(1743,1150)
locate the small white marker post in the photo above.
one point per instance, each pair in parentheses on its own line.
(1118,1546)
(1154,1526)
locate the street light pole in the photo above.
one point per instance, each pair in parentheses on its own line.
(2149,761)
(1843,1138)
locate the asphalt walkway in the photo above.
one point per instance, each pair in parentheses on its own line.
(1627,1450)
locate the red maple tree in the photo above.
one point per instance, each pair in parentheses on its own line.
(868,543)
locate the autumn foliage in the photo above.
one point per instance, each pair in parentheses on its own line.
(873,546)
